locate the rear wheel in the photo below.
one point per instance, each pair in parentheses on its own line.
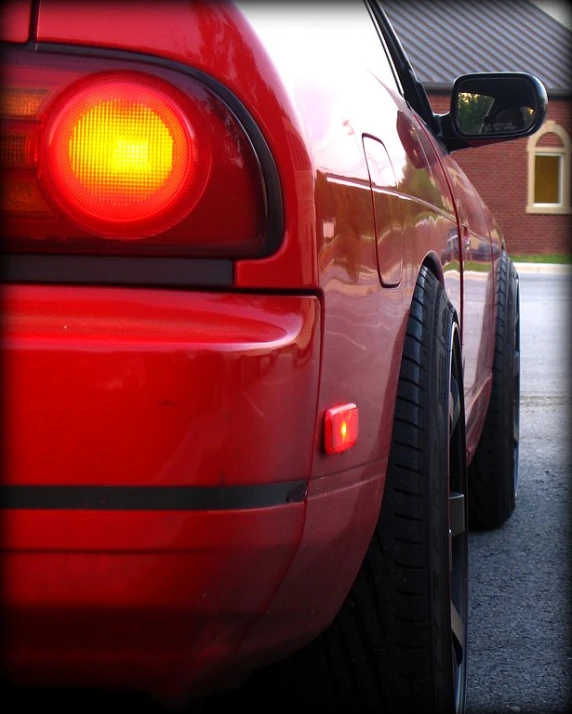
(399,642)
(417,561)
(493,472)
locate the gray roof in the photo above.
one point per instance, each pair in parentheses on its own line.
(446,38)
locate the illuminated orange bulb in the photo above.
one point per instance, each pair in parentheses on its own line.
(122,156)
(341,426)
(121,152)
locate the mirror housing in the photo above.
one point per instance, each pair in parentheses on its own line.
(494,106)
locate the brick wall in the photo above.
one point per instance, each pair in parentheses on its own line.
(499,173)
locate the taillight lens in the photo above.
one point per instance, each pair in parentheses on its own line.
(122,158)
(98,157)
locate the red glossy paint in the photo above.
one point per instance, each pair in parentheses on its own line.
(133,387)
(341,512)
(16,19)
(222,387)
(148,601)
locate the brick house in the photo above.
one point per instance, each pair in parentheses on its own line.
(526,183)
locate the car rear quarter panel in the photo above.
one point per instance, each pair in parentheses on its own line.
(315,105)
(383,206)
(16,20)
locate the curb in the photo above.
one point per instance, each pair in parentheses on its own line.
(543,268)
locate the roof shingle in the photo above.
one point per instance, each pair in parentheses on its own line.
(446,38)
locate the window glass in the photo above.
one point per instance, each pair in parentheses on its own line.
(547,179)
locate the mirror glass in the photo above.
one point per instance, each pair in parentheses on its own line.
(499,106)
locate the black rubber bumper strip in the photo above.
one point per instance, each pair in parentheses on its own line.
(116,270)
(151,498)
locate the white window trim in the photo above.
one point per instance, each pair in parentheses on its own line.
(565,151)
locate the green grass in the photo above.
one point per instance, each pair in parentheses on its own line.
(559,258)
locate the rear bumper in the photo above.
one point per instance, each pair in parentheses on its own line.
(178,604)
(149,388)
(158,447)
(144,601)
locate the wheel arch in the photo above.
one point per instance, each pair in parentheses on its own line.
(433,263)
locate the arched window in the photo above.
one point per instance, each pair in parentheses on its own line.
(549,162)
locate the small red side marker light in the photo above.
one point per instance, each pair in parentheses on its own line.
(341,426)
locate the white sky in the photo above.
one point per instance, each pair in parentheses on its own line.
(559,9)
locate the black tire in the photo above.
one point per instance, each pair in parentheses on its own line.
(395,646)
(493,472)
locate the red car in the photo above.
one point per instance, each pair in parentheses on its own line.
(260,354)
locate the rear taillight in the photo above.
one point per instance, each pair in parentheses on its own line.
(122,157)
(100,157)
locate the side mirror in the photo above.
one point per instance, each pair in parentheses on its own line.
(491,107)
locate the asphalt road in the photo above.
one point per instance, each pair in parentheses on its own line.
(521,575)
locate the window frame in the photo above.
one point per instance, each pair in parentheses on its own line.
(383,40)
(414,92)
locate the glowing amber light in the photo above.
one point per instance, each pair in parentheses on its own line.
(122,156)
(16,103)
(341,426)
(121,152)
